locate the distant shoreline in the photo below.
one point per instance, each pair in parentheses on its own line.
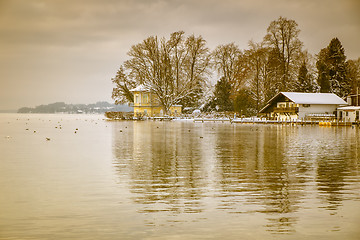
(63,108)
(8,111)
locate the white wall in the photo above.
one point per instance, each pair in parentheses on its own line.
(347,116)
(316,108)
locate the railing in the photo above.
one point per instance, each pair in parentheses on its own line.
(286,109)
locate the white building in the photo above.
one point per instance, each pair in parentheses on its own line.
(348,113)
(295,105)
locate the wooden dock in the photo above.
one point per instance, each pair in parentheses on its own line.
(265,121)
(212,120)
(167,118)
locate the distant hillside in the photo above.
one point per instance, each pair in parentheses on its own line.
(61,107)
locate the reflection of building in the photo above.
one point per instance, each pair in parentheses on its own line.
(147,104)
(294,105)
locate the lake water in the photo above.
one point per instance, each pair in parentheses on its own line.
(95,179)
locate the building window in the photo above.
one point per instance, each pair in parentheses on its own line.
(145,98)
(306,105)
(281,105)
(137,98)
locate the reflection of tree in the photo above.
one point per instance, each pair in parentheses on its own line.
(331,180)
(242,169)
(165,167)
(337,163)
(255,172)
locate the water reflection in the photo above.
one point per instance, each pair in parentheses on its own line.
(256,175)
(178,168)
(337,167)
(165,170)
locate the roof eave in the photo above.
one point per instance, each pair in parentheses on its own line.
(269,102)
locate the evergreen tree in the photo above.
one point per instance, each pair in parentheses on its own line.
(304,83)
(222,95)
(323,72)
(244,104)
(332,73)
(337,71)
(353,74)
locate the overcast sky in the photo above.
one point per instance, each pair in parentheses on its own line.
(59,50)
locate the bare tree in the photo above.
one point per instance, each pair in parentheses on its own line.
(196,68)
(258,59)
(121,93)
(174,69)
(232,64)
(283,37)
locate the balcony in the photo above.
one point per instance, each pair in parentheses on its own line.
(286,110)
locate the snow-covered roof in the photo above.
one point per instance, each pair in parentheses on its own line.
(314,98)
(140,88)
(307,98)
(349,108)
